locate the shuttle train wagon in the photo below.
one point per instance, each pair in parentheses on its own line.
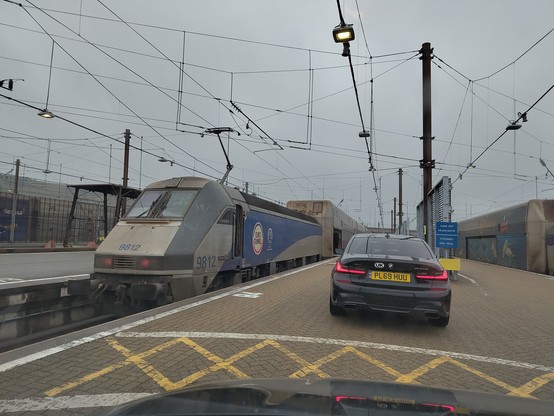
(337,226)
(521,237)
(186,236)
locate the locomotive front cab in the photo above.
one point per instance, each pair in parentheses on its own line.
(148,258)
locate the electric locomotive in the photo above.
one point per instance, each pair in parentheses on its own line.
(188,235)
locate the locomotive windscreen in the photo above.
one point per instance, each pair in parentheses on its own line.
(162,203)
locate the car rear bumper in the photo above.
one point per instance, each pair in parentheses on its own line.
(431,304)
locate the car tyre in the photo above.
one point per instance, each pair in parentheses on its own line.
(442,321)
(334,309)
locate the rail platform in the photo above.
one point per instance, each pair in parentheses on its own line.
(280,327)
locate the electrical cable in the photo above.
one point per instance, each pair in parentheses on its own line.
(208,68)
(455,129)
(242,103)
(98,133)
(524,114)
(478,97)
(107,89)
(519,57)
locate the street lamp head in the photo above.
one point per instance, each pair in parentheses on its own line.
(343,33)
(513,126)
(46,114)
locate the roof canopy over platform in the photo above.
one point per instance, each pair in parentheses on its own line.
(119,191)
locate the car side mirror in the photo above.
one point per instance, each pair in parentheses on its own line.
(339,251)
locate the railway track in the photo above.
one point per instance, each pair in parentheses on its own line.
(34,312)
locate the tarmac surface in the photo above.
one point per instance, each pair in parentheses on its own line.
(500,340)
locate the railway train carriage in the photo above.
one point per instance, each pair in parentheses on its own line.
(186,236)
(521,237)
(337,226)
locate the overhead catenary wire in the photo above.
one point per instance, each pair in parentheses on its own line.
(241,103)
(165,28)
(518,58)
(473,92)
(210,68)
(107,89)
(194,80)
(522,114)
(455,129)
(96,131)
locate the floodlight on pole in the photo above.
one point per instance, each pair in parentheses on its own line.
(343,33)
(46,114)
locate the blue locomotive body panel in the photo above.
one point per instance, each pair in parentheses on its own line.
(267,236)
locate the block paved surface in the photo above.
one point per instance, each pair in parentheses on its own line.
(500,340)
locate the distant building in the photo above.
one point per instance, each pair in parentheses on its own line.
(42,211)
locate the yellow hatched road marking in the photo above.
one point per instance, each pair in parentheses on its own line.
(139,360)
(487,377)
(418,372)
(295,357)
(108,369)
(532,385)
(312,368)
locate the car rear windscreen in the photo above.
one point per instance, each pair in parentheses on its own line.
(408,247)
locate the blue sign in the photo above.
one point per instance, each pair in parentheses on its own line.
(446,241)
(448,228)
(447,234)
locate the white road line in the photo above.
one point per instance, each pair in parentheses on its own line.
(469,278)
(54,350)
(14,280)
(41,404)
(5,280)
(341,342)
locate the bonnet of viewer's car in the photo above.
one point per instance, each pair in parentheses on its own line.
(329,397)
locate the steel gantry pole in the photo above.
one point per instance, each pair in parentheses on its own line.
(400,213)
(125,178)
(427,163)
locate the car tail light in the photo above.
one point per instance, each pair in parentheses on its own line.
(441,406)
(440,276)
(344,269)
(341,398)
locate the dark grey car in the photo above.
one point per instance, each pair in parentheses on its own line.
(391,273)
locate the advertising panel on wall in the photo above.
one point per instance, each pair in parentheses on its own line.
(21,218)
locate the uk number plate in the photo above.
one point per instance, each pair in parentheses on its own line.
(390,276)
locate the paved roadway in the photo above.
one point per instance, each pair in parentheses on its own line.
(500,340)
(17,267)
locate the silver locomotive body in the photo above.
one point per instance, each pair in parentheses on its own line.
(186,236)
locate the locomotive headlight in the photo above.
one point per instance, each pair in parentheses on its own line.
(148,263)
(103,262)
(144,263)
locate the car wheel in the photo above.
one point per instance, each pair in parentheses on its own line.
(442,321)
(334,309)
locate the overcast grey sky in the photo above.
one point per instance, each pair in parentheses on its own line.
(116,65)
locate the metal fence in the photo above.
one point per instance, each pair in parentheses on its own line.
(40,220)
(439,209)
